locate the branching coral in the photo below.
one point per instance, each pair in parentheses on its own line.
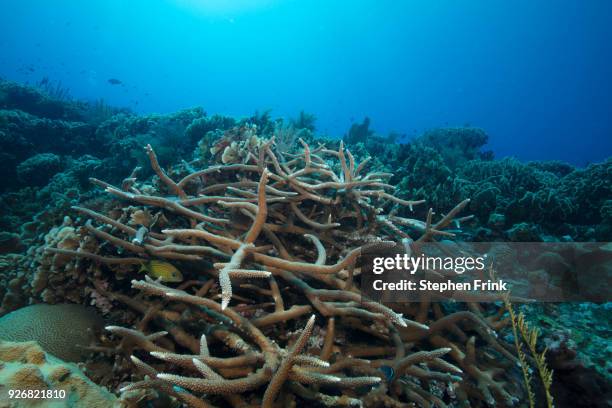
(296,221)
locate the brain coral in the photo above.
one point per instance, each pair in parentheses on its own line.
(57,328)
(25,366)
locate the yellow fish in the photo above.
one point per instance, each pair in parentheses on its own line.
(162,270)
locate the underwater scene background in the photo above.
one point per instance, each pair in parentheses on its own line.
(188,186)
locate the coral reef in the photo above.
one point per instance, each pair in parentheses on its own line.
(445,166)
(25,366)
(265,222)
(293,228)
(62,330)
(38,169)
(456,145)
(10,242)
(359,132)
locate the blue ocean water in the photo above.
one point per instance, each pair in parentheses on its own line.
(534,74)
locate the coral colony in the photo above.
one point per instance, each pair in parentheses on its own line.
(282,236)
(235,277)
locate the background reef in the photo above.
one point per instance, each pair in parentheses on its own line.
(52,147)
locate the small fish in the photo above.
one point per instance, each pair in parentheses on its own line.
(388,372)
(114,81)
(162,270)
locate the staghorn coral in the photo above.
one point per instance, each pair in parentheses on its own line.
(292,225)
(237,144)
